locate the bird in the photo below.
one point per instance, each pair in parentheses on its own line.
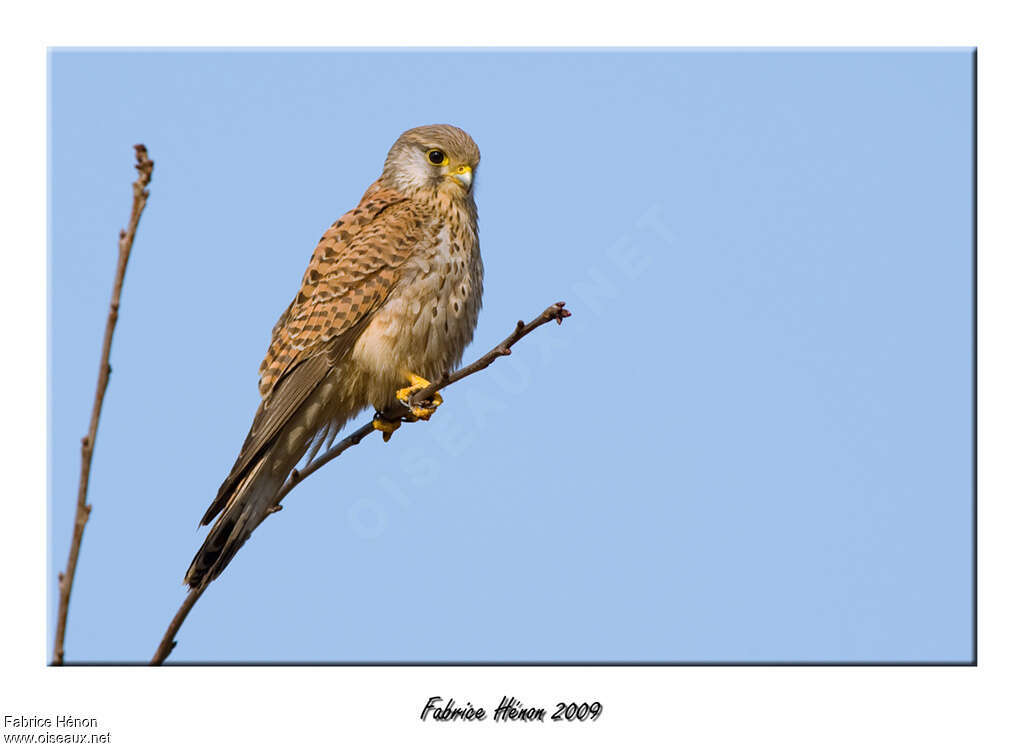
(388,303)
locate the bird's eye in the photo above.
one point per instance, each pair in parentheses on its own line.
(437,156)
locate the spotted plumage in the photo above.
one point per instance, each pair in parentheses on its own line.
(392,291)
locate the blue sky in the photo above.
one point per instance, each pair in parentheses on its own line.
(752,441)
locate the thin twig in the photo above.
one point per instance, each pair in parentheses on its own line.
(124,247)
(168,642)
(556,312)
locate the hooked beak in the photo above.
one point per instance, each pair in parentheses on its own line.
(463,175)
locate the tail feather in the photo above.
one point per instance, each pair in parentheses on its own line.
(285,427)
(246,509)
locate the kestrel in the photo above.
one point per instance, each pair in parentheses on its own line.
(389,302)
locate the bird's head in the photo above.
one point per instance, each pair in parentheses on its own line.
(437,158)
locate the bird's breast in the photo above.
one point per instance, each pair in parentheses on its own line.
(429,316)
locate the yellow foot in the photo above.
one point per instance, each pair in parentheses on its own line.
(419,411)
(386,427)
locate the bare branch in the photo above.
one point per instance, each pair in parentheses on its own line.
(556,312)
(124,247)
(168,642)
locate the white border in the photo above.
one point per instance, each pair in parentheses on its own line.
(730,706)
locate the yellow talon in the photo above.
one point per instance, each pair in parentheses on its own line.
(425,412)
(386,427)
(416,383)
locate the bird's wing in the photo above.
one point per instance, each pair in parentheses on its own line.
(354,258)
(353,269)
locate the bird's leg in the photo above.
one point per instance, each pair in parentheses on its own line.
(425,411)
(418,412)
(385,426)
